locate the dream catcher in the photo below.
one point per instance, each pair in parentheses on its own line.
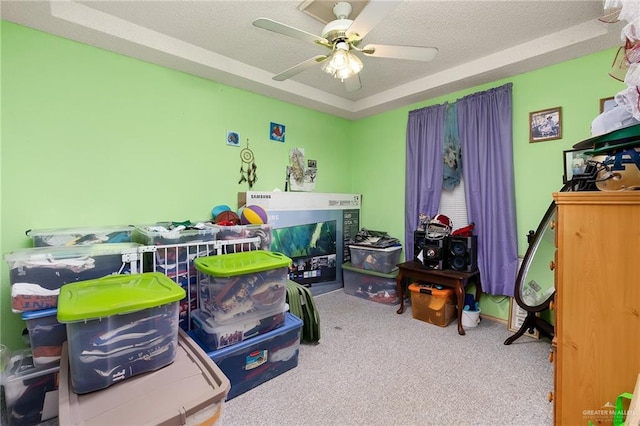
(248,166)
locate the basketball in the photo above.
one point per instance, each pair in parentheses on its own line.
(253,215)
(227,217)
(219,209)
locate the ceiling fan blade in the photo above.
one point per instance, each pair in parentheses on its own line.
(280,28)
(412,53)
(374,12)
(352,83)
(290,72)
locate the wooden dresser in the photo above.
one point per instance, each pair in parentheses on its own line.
(597,304)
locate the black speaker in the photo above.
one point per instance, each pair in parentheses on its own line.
(462,253)
(418,242)
(434,253)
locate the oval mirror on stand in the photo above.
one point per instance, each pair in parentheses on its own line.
(535,284)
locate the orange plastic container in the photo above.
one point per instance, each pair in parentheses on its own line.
(432,305)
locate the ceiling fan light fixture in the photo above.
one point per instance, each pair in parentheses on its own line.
(342,63)
(343,36)
(355,64)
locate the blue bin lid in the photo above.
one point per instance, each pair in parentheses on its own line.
(39,314)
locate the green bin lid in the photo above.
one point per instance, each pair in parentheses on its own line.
(616,139)
(230,265)
(116,294)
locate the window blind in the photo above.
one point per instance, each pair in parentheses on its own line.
(453,205)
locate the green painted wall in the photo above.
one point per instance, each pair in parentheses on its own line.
(90,137)
(577,86)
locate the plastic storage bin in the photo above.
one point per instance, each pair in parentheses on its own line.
(255,361)
(432,305)
(231,285)
(30,391)
(46,335)
(36,274)
(80,236)
(229,233)
(119,326)
(225,333)
(175,259)
(190,391)
(176,262)
(382,260)
(163,233)
(374,286)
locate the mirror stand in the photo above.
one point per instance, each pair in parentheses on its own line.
(535,286)
(531,322)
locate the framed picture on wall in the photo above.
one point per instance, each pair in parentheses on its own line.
(545,125)
(276,132)
(606,104)
(233,139)
(575,161)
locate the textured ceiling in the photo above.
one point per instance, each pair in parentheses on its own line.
(478,42)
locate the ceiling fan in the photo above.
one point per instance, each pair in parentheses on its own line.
(343,37)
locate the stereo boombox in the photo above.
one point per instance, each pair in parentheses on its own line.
(451,252)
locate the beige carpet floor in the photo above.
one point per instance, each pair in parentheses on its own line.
(375,367)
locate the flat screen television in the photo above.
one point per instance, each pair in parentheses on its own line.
(312,247)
